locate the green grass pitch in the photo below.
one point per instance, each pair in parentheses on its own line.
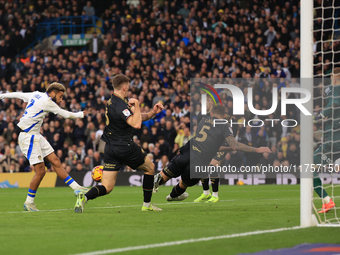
(116,221)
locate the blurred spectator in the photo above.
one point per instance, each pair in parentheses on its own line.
(72,160)
(162,163)
(80,168)
(100,142)
(89,10)
(283,146)
(8,132)
(160,47)
(87,165)
(92,143)
(270,34)
(95,44)
(97,160)
(79,130)
(293,154)
(24,165)
(144,137)
(260,139)
(9,162)
(182,137)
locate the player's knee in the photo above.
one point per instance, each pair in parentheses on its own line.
(182,185)
(150,168)
(41,173)
(108,189)
(56,163)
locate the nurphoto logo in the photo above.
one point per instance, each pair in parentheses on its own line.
(239,101)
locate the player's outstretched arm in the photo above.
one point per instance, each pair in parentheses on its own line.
(236,146)
(19,95)
(225,148)
(156,109)
(54,108)
(135,120)
(70,115)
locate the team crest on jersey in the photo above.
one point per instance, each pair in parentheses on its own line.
(39,157)
(126,112)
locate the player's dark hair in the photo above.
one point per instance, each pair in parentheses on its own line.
(118,80)
(56,87)
(218,109)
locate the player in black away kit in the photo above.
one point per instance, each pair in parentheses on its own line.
(203,147)
(206,196)
(122,117)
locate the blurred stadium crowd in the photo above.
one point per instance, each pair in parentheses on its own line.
(160,45)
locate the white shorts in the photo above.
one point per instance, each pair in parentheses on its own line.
(34,147)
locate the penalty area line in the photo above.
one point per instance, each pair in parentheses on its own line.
(112,207)
(161,204)
(203,239)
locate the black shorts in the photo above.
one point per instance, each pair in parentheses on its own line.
(115,156)
(219,156)
(180,166)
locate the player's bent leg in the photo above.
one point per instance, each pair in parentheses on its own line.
(148,167)
(182,185)
(206,195)
(215,180)
(39,175)
(108,182)
(159,179)
(176,167)
(34,185)
(61,172)
(178,192)
(148,182)
(327,202)
(56,164)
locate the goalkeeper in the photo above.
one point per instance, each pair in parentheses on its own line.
(329,151)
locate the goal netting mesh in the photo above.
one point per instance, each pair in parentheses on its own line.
(326,133)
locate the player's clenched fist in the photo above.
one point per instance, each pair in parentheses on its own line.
(133,102)
(157,108)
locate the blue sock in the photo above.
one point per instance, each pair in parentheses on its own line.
(72,183)
(68,180)
(30,195)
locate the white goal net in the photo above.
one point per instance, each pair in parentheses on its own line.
(326,132)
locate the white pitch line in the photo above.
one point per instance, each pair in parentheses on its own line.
(203,239)
(127,206)
(109,207)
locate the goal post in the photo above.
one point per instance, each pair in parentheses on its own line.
(320,59)
(306,126)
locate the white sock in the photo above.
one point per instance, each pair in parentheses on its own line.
(74,185)
(215,194)
(326,200)
(206,192)
(147,204)
(29,200)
